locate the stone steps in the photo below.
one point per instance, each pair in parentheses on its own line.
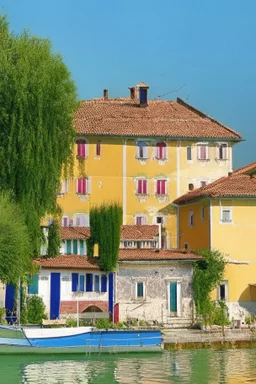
(177,322)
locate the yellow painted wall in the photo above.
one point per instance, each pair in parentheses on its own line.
(197,237)
(106,178)
(235,240)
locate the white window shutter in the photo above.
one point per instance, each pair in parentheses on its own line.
(207,152)
(199,152)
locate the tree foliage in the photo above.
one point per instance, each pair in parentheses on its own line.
(15,244)
(37,104)
(208,273)
(53,240)
(105,228)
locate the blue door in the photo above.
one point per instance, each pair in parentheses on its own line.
(173,297)
(55,296)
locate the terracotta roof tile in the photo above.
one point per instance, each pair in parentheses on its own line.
(128,232)
(139,232)
(235,185)
(124,117)
(75,232)
(68,261)
(149,254)
(246,169)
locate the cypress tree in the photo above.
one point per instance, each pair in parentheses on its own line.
(37,104)
(105,228)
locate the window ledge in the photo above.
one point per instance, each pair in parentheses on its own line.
(81,157)
(141,158)
(226,222)
(203,159)
(161,158)
(161,194)
(142,194)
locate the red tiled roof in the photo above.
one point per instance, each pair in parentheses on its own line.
(246,169)
(128,232)
(68,261)
(149,254)
(75,232)
(139,232)
(235,185)
(124,117)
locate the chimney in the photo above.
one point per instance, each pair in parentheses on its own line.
(105,94)
(143,94)
(132,92)
(230,173)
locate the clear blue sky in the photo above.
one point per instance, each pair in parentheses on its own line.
(208,45)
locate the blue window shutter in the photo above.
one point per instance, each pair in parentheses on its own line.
(81,247)
(75,247)
(81,283)
(33,285)
(74,282)
(103,283)
(68,247)
(88,282)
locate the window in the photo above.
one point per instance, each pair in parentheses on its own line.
(141,150)
(82,186)
(186,245)
(159,220)
(63,187)
(189,153)
(226,215)
(140,220)
(203,183)
(161,152)
(65,221)
(222,151)
(140,290)
(161,187)
(202,151)
(33,284)
(223,291)
(98,148)
(141,186)
(128,244)
(68,247)
(81,220)
(190,186)
(82,148)
(96,283)
(191,218)
(81,244)
(202,213)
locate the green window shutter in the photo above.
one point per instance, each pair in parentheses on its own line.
(68,247)
(173,297)
(33,285)
(75,247)
(81,247)
(140,290)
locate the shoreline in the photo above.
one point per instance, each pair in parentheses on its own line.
(175,339)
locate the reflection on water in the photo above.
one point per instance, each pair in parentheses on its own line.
(192,367)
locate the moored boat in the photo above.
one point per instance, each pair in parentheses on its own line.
(78,340)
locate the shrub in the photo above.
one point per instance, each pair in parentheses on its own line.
(103,324)
(70,323)
(119,325)
(2,316)
(221,314)
(36,309)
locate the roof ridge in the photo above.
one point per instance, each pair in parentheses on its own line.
(202,114)
(240,170)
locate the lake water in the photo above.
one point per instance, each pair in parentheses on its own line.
(192,367)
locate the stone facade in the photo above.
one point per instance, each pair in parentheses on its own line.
(156,276)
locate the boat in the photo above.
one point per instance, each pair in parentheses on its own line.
(77,340)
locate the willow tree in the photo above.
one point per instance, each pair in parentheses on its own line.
(105,228)
(15,244)
(37,104)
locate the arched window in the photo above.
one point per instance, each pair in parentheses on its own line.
(161,152)
(92,308)
(82,148)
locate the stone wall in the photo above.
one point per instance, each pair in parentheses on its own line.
(239,310)
(155,306)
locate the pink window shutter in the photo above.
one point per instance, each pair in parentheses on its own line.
(203,152)
(144,187)
(79,186)
(139,186)
(158,187)
(98,148)
(138,220)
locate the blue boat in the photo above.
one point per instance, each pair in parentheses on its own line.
(78,340)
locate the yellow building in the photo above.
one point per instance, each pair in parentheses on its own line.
(222,216)
(143,154)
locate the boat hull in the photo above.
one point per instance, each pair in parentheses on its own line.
(105,341)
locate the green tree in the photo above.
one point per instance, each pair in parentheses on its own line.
(53,240)
(207,275)
(15,244)
(35,309)
(37,105)
(105,228)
